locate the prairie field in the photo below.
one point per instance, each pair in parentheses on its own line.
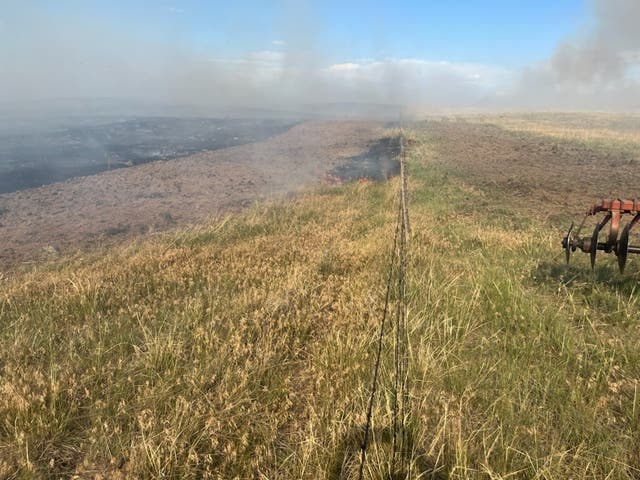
(244,347)
(614,131)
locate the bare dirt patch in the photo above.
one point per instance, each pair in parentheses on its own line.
(548,176)
(113,206)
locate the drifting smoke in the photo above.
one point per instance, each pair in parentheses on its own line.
(599,70)
(45,57)
(83,58)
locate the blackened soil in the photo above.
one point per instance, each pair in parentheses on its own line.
(37,158)
(378,163)
(104,209)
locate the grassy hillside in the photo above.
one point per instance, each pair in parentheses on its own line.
(245,348)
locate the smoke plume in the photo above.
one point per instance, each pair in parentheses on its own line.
(599,69)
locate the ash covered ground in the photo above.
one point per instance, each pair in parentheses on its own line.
(190,180)
(36,155)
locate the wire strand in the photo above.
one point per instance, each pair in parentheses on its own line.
(376,369)
(401,338)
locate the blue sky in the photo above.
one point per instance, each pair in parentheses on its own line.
(510,33)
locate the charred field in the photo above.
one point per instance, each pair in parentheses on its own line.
(32,157)
(202,177)
(242,345)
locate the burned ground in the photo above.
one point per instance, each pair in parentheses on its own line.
(103,209)
(31,156)
(550,177)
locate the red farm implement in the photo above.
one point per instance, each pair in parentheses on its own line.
(614,210)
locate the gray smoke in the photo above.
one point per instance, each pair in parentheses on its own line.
(599,69)
(607,52)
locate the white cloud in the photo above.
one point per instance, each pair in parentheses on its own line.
(344,67)
(278,43)
(275,77)
(412,80)
(266,57)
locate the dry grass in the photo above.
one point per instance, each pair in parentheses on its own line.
(244,349)
(618,131)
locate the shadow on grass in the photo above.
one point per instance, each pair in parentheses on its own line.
(347,459)
(580,276)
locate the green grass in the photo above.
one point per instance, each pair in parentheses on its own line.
(244,348)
